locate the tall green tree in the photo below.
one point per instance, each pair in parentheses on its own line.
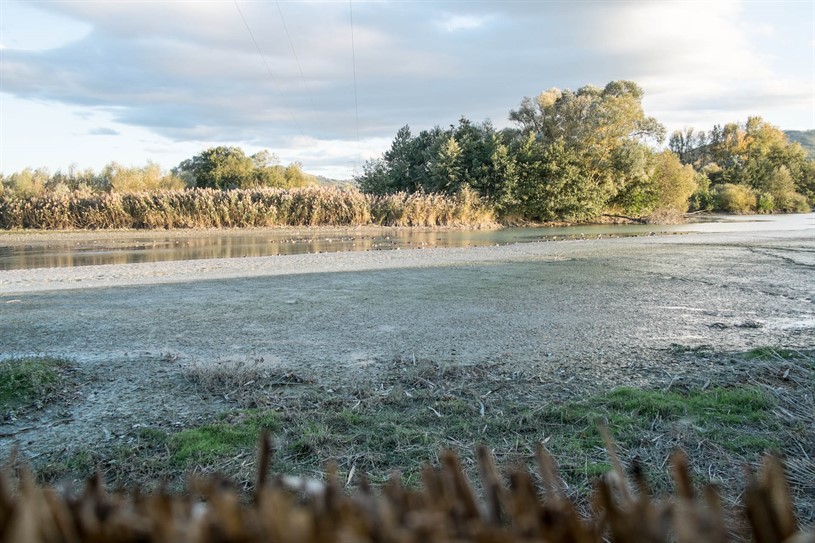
(230,168)
(219,168)
(445,167)
(601,138)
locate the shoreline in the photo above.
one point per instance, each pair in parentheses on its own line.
(34,280)
(21,235)
(18,237)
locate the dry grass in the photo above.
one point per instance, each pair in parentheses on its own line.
(789,377)
(208,208)
(666,215)
(249,384)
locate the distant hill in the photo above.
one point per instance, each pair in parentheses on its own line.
(322,180)
(806,138)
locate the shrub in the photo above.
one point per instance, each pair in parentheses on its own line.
(766,203)
(734,198)
(26,381)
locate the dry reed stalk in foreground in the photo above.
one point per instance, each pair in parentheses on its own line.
(446,509)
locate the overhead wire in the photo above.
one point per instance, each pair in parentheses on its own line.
(268,69)
(302,74)
(297,58)
(354,61)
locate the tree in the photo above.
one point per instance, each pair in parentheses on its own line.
(687,144)
(601,135)
(674,182)
(220,168)
(230,168)
(27,183)
(445,169)
(375,178)
(591,116)
(759,156)
(115,177)
(549,186)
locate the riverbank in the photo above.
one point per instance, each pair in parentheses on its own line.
(546,329)
(50,249)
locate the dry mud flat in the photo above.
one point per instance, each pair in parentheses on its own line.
(582,315)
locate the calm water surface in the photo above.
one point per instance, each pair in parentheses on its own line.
(127,248)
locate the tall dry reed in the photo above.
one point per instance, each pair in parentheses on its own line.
(209,208)
(446,509)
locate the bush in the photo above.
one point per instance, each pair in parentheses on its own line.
(118,178)
(766,203)
(735,198)
(797,203)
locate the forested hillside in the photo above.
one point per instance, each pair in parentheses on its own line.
(805,138)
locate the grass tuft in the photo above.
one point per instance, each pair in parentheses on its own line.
(210,443)
(765,353)
(33,381)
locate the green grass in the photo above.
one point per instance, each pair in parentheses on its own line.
(406,425)
(737,419)
(30,381)
(762,353)
(401,432)
(210,443)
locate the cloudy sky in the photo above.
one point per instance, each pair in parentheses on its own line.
(88,82)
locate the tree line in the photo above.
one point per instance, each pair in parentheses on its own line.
(216,168)
(569,156)
(576,155)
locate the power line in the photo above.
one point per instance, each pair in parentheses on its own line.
(274,80)
(354,60)
(299,65)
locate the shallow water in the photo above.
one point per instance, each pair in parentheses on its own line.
(94,248)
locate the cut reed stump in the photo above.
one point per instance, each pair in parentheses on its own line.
(446,509)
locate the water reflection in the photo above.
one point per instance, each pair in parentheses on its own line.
(93,249)
(91,252)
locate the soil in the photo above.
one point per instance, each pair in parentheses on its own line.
(583,315)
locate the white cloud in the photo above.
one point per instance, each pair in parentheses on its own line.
(184,75)
(454,23)
(27,28)
(102,131)
(702,63)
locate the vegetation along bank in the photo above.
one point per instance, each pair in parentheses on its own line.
(571,156)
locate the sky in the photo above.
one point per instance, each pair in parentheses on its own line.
(328,84)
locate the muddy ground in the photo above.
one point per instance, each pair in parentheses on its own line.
(582,315)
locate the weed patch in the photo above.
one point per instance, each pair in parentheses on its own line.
(399,418)
(250,384)
(211,443)
(765,353)
(27,382)
(403,418)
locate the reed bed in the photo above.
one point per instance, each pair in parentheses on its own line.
(447,508)
(210,208)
